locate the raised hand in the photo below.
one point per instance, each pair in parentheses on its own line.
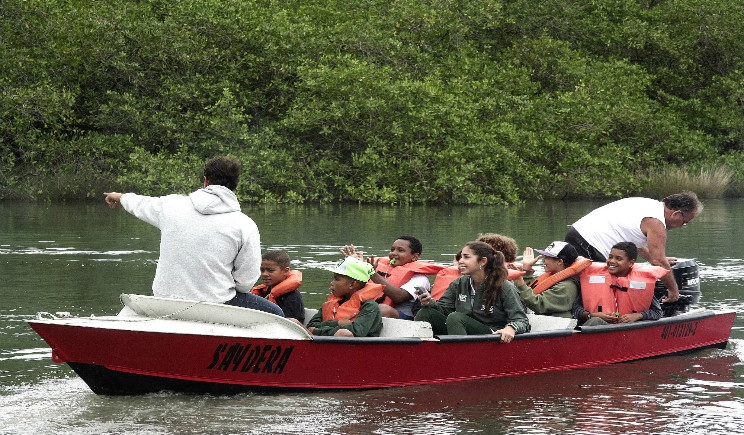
(529,259)
(351,251)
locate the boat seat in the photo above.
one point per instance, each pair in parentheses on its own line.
(393,327)
(540,323)
(410,328)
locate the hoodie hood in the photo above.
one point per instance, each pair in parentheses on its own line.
(214,199)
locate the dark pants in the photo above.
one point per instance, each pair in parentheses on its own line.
(582,246)
(249,300)
(453,324)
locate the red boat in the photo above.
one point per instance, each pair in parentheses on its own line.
(158,344)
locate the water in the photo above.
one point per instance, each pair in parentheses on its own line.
(79,257)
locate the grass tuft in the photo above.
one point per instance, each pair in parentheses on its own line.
(708,183)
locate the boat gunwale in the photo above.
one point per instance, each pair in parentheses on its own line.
(641,324)
(554,333)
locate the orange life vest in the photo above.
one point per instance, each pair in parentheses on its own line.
(333,309)
(290,284)
(607,293)
(548,279)
(399,275)
(449,274)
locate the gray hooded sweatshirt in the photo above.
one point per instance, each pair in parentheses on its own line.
(209,249)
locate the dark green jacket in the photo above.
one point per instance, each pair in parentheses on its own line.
(555,301)
(507,310)
(367,324)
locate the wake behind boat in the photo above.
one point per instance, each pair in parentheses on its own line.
(158,344)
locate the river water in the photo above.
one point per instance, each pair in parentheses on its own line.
(78,257)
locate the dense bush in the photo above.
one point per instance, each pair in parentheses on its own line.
(440,101)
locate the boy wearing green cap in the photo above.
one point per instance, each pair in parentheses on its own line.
(351,310)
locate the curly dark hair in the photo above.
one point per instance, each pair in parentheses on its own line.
(416,246)
(630,249)
(506,245)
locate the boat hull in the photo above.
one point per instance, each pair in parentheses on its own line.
(119,361)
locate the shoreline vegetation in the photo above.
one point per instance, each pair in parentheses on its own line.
(409,102)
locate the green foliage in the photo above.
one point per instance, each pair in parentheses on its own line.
(594,122)
(433,101)
(275,173)
(160,174)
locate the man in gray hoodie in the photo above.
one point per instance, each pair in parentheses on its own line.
(209,250)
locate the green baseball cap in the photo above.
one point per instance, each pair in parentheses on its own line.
(355,269)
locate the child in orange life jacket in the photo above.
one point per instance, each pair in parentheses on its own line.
(554,292)
(350,310)
(621,280)
(399,274)
(281,285)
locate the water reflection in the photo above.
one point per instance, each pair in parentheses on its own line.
(698,392)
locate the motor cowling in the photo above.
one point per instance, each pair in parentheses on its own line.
(687,274)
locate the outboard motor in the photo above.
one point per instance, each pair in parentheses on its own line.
(686,273)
